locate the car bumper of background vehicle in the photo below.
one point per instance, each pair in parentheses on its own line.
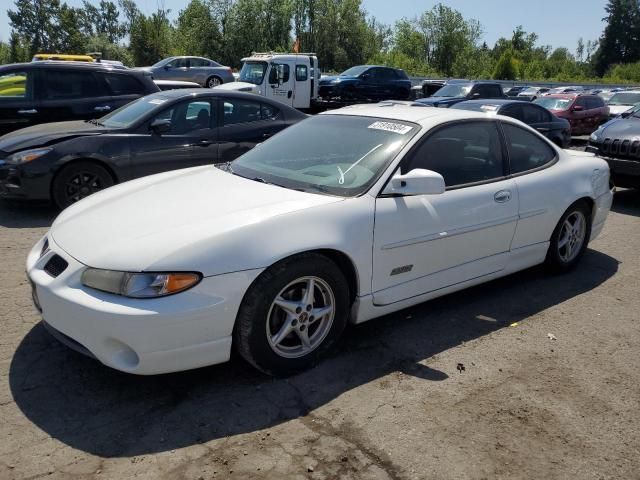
(16,183)
(624,173)
(141,336)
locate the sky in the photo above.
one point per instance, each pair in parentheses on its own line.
(559,23)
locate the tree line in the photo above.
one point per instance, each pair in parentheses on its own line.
(439,42)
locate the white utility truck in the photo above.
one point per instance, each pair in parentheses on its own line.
(290,78)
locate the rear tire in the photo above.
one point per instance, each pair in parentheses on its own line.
(570,238)
(77,181)
(281,327)
(213,82)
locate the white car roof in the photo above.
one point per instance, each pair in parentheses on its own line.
(426,116)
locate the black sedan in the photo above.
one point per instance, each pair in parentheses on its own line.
(367,82)
(67,161)
(555,129)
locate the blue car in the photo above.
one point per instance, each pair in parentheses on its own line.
(458,91)
(367,82)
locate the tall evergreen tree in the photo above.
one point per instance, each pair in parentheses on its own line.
(620,42)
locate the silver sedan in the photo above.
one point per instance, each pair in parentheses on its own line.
(191,69)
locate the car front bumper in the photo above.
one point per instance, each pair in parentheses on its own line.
(141,336)
(21,182)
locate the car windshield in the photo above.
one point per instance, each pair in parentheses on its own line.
(454,90)
(126,116)
(253,72)
(552,103)
(330,154)
(529,91)
(624,98)
(353,71)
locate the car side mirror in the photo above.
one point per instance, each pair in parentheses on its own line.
(416,182)
(167,67)
(160,126)
(365,76)
(578,108)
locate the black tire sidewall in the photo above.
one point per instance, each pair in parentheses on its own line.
(250,336)
(58,193)
(553,259)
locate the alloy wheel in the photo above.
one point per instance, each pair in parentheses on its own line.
(300,317)
(572,235)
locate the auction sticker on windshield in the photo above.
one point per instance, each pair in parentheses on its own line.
(391,127)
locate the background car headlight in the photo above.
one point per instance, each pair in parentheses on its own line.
(595,135)
(140,285)
(27,155)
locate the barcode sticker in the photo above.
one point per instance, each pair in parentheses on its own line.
(391,127)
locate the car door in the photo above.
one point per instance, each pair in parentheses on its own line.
(424,243)
(176,69)
(540,194)
(18,103)
(369,85)
(281,83)
(244,124)
(582,116)
(190,141)
(73,94)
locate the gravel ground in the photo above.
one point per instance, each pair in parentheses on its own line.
(468,386)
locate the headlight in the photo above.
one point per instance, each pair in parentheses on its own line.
(595,136)
(27,155)
(140,285)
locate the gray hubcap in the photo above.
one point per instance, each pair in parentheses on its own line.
(300,317)
(572,236)
(214,82)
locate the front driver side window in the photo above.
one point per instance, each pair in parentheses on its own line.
(462,153)
(188,117)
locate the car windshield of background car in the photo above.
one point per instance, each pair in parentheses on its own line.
(625,98)
(554,103)
(253,72)
(453,91)
(331,154)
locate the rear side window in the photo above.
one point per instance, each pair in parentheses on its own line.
(68,85)
(301,73)
(533,114)
(198,62)
(526,150)
(595,102)
(463,153)
(15,85)
(122,84)
(241,111)
(581,102)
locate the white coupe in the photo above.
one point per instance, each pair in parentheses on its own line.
(344,217)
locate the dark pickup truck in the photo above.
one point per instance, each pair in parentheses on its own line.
(457,92)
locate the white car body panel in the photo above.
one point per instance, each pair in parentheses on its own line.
(617,110)
(231,229)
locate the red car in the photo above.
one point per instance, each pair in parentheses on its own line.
(584,112)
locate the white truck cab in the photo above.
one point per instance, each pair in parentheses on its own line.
(290,78)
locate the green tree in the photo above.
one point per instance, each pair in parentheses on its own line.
(103,20)
(70,39)
(506,68)
(35,23)
(151,37)
(620,41)
(197,31)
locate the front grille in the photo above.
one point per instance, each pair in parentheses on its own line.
(614,147)
(56,266)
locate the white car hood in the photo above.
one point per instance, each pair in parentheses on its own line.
(239,87)
(615,110)
(164,221)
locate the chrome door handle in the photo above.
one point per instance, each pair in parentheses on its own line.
(502,196)
(104,108)
(28,112)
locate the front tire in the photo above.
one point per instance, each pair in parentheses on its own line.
(570,238)
(77,181)
(292,315)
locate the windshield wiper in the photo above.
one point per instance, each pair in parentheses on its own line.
(95,121)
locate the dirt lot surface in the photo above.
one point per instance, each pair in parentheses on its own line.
(468,386)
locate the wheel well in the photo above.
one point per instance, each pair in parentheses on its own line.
(79,160)
(592,205)
(347,267)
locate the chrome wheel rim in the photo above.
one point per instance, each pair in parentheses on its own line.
(300,317)
(571,237)
(214,82)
